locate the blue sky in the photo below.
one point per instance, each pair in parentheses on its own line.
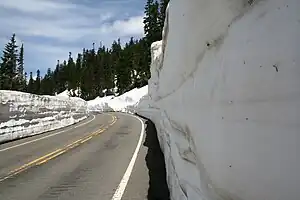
(50,29)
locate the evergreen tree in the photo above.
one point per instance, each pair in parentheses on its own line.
(94,71)
(47,83)
(37,83)
(152,30)
(99,71)
(78,74)
(71,75)
(107,72)
(151,19)
(25,83)
(30,87)
(115,62)
(85,79)
(64,75)
(8,68)
(21,79)
(59,77)
(162,13)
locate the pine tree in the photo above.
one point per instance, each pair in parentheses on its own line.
(8,67)
(60,77)
(25,82)
(30,87)
(151,25)
(100,71)
(78,74)
(47,83)
(115,62)
(21,79)
(122,71)
(37,83)
(71,75)
(85,79)
(108,72)
(152,31)
(56,78)
(162,13)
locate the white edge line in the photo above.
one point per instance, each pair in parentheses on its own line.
(122,186)
(8,148)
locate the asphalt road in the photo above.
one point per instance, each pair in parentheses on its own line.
(100,158)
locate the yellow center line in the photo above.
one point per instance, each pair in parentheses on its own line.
(74,142)
(51,157)
(56,153)
(34,161)
(83,141)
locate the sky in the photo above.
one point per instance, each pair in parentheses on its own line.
(50,29)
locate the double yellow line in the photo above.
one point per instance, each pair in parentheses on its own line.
(58,152)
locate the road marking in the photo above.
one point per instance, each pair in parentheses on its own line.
(51,157)
(122,186)
(27,165)
(73,143)
(83,141)
(35,161)
(29,142)
(54,154)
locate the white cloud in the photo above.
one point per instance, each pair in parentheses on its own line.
(52,28)
(37,6)
(66,22)
(131,26)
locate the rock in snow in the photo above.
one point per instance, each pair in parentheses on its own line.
(224,95)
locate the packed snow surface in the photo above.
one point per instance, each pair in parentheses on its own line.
(224,94)
(122,103)
(23,114)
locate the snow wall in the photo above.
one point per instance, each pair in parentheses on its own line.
(23,114)
(224,95)
(123,103)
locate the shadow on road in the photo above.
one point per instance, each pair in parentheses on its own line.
(158,187)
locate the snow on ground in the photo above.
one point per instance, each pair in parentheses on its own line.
(23,114)
(67,93)
(122,103)
(224,94)
(100,104)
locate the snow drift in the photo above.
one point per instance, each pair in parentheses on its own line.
(123,103)
(224,95)
(23,114)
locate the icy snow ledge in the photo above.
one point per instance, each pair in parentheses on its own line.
(226,102)
(23,114)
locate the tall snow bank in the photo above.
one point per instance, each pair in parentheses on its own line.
(23,114)
(225,97)
(123,103)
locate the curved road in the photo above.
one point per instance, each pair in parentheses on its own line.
(99,158)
